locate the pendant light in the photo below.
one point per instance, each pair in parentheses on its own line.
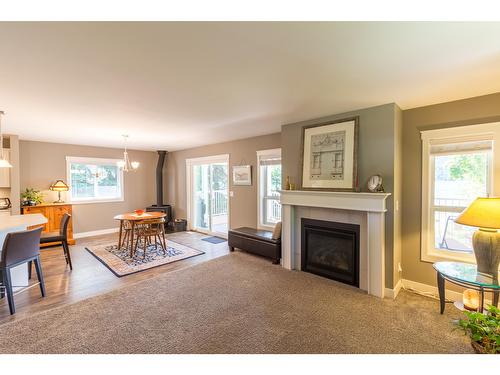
(4,163)
(125,164)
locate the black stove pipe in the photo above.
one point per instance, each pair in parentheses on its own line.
(159,177)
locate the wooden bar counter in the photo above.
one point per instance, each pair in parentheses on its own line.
(53,212)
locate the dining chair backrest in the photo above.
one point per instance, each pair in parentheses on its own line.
(19,246)
(63,228)
(152,221)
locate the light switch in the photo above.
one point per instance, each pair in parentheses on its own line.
(231,194)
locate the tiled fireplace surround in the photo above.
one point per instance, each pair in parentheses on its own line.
(364,209)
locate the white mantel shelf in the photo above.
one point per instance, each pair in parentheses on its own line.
(341,200)
(371,203)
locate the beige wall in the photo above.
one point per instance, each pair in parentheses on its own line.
(243,205)
(41,163)
(398,194)
(376,151)
(471,111)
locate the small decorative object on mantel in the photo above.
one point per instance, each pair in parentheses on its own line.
(242,175)
(484,213)
(329,159)
(287,183)
(375,184)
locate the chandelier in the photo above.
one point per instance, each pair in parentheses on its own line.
(4,163)
(125,164)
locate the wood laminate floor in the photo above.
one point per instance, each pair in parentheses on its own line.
(90,277)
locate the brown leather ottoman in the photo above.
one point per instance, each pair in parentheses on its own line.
(256,241)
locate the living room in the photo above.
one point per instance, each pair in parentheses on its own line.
(249,187)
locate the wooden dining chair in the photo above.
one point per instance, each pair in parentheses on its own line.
(151,232)
(126,236)
(18,248)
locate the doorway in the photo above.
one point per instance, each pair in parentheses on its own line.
(207,194)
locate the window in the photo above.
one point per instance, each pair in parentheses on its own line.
(94,180)
(269,185)
(457,167)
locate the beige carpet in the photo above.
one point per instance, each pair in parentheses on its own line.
(238,303)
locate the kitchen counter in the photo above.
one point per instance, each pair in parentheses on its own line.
(11,223)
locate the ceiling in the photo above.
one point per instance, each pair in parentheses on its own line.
(179,85)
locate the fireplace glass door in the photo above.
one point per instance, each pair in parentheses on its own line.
(331,250)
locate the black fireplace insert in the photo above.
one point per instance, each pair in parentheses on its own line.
(331,249)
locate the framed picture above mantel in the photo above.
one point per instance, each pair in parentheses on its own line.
(329,155)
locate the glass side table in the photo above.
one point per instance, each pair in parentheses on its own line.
(466,275)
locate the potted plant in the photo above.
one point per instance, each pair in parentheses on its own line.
(483,330)
(31,197)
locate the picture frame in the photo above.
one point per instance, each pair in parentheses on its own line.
(242,175)
(329,155)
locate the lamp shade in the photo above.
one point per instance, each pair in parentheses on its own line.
(5,163)
(59,185)
(482,213)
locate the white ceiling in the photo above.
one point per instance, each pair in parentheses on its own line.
(178,85)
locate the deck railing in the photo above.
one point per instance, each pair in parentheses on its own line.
(219,202)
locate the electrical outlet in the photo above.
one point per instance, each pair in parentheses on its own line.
(231,194)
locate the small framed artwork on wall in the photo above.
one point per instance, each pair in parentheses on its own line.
(329,155)
(242,175)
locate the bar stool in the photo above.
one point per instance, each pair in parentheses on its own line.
(18,248)
(61,237)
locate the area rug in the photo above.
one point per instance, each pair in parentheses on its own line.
(214,240)
(119,262)
(239,303)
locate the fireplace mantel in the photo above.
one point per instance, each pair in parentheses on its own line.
(373,204)
(368,202)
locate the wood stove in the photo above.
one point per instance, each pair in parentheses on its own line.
(159,206)
(331,249)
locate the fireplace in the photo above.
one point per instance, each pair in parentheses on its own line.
(160,206)
(331,249)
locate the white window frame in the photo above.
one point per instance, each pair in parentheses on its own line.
(260,153)
(491,131)
(93,161)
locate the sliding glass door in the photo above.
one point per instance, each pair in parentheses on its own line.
(208,194)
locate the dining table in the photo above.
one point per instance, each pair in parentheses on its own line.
(133,219)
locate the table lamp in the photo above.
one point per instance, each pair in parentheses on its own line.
(484,213)
(59,186)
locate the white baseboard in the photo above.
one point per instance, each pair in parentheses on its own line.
(393,293)
(424,289)
(430,290)
(95,233)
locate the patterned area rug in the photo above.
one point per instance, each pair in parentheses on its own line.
(120,263)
